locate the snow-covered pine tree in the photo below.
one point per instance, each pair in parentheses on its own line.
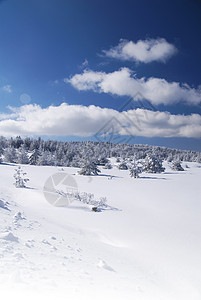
(135,170)
(102,161)
(20,178)
(1,152)
(176,166)
(10,155)
(152,165)
(33,159)
(46,159)
(22,157)
(89,168)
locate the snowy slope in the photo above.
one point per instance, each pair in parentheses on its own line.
(146,245)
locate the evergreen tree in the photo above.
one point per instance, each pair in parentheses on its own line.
(102,161)
(20,179)
(176,166)
(34,157)
(152,165)
(46,159)
(10,155)
(22,157)
(135,170)
(89,168)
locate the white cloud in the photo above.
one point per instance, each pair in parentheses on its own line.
(84,64)
(125,83)
(85,121)
(89,80)
(7,88)
(142,51)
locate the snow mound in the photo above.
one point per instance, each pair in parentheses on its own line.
(9,236)
(102,264)
(18,216)
(3,204)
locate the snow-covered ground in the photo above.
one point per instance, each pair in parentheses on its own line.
(145,245)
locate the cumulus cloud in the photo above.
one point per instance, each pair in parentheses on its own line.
(125,83)
(142,51)
(83,121)
(7,88)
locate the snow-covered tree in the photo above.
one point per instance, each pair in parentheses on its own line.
(22,157)
(20,178)
(89,168)
(75,153)
(152,165)
(88,198)
(18,142)
(10,155)
(135,170)
(102,161)
(176,166)
(33,159)
(46,159)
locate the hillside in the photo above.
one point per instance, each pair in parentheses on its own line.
(144,245)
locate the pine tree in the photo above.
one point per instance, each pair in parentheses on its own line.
(10,155)
(22,157)
(46,159)
(89,168)
(102,161)
(135,170)
(20,179)
(152,165)
(33,159)
(176,166)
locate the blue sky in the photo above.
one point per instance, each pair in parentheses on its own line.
(51,51)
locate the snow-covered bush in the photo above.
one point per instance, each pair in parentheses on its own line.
(176,166)
(20,178)
(102,161)
(123,166)
(108,166)
(152,165)
(89,198)
(86,198)
(3,204)
(135,170)
(89,168)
